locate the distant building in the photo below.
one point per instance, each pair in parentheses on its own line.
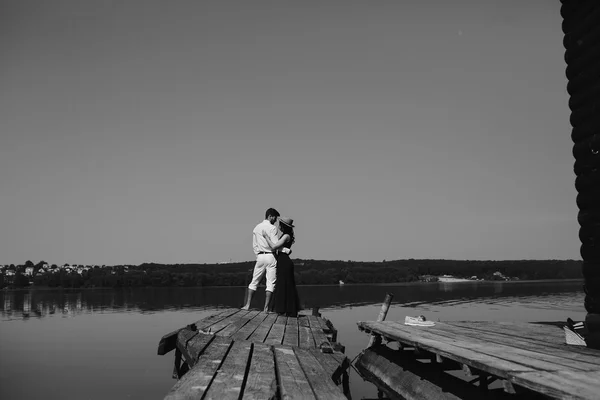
(428,278)
(499,275)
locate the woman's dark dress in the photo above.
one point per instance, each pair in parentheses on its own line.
(285,297)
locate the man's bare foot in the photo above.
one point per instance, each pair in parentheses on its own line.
(245,308)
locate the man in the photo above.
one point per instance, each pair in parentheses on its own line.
(266,262)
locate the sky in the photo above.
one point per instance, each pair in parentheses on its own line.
(153,131)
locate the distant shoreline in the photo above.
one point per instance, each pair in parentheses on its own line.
(306,271)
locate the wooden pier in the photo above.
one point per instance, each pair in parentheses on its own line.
(237,354)
(530,360)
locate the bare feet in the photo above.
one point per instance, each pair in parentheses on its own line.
(245,308)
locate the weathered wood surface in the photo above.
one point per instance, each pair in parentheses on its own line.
(375,364)
(167,342)
(293,382)
(261,382)
(526,356)
(254,355)
(194,383)
(227,382)
(315,372)
(400,375)
(306,331)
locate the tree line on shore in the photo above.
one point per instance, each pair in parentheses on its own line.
(307,272)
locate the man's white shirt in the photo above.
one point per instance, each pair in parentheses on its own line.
(259,243)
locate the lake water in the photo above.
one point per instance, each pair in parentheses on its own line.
(101,343)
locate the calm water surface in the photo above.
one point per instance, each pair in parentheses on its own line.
(101,344)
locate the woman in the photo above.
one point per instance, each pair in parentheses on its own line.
(285,297)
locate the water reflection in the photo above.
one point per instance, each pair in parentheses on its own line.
(38,303)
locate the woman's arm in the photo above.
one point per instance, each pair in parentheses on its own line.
(274,246)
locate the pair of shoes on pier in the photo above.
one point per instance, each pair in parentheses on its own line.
(575,333)
(418,321)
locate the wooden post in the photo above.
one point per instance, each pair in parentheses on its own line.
(383,313)
(583,102)
(176,374)
(346,385)
(483,381)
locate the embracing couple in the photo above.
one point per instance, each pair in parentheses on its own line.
(272,241)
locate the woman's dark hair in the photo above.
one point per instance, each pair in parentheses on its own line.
(290,231)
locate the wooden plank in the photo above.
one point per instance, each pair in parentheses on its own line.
(204,324)
(550,336)
(317,376)
(247,330)
(305,338)
(340,358)
(195,347)
(538,361)
(562,384)
(183,337)
(446,348)
(313,322)
(236,325)
(193,384)
(212,318)
(329,364)
(518,341)
(321,339)
(375,365)
(168,342)
(292,380)
(281,320)
(525,331)
(290,337)
(261,382)
(229,379)
(260,334)
(324,325)
(225,322)
(333,365)
(303,321)
(345,364)
(275,335)
(328,328)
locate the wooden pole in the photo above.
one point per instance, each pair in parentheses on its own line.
(382,313)
(580,47)
(177,365)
